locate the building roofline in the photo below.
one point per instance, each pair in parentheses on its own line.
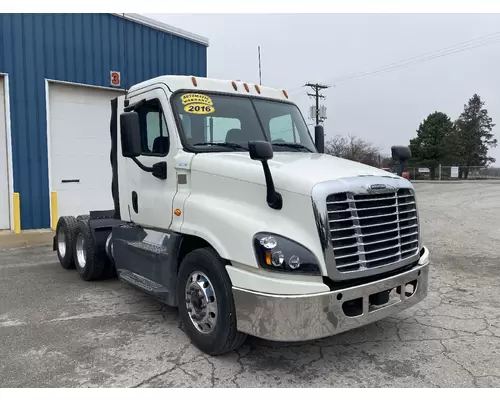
(152,23)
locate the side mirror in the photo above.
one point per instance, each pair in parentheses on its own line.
(319,138)
(130,134)
(400,153)
(260,150)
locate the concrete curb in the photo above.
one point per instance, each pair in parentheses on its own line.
(34,238)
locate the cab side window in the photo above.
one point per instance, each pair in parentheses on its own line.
(155,139)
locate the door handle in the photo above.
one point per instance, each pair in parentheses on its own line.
(135,202)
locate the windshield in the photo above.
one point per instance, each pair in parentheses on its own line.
(218,122)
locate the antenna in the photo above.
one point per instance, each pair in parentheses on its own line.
(124,54)
(260,69)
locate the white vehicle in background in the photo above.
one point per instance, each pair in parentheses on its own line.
(227,209)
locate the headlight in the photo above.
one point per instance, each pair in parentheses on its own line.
(280,254)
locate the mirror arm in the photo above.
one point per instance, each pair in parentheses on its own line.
(262,151)
(159,170)
(273,198)
(142,166)
(134,106)
(401,167)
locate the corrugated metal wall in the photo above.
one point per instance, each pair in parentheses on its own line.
(80,48)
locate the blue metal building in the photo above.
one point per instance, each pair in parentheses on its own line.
(99,50)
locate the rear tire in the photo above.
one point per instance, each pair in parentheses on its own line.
(65,239)
(206,305)
(89,265)
(85,217)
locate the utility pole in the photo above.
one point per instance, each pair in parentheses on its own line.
(317,87)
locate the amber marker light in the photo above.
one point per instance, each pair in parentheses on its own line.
(177,212)
(268,258)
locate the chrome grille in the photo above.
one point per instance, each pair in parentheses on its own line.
(372,230)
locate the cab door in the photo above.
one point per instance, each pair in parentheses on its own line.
(150,195)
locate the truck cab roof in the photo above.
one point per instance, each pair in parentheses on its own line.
(194,83)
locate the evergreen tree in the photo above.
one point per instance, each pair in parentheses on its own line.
(431,146)
(473,137)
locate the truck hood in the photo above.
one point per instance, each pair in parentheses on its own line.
(293,172)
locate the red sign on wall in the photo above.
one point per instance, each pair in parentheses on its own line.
(114,78)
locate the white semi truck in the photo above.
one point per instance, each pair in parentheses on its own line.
(225,208)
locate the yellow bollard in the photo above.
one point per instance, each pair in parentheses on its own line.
(17,212)
(54,208)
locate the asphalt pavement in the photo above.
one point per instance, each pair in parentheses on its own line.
(59,331)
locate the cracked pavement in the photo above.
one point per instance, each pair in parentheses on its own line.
(59,331)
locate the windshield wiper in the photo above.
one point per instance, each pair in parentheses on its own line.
(222,144)
(293,146)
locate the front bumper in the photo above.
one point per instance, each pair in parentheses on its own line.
(291,318)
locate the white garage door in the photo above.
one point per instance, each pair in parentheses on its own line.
(79,147)
(4,180)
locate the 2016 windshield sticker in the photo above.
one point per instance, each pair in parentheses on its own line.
(196,103)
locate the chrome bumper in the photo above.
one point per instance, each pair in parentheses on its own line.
(291,318)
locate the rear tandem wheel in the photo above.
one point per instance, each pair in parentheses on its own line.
(65,241)
(90,264)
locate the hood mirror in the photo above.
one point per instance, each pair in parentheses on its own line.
(319,138)
(400,154)
(260,150)
(263,151)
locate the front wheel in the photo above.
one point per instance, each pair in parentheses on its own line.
(206,305)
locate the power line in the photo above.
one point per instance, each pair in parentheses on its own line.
(416,61)
(463,46)
(469,42)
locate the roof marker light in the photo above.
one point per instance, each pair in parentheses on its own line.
(246,87)
(234,85)
(195,83)
(257,88)
(285,93)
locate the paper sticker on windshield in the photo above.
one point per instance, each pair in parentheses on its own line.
(197,103)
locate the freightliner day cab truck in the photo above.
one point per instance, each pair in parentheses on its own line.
(225,208)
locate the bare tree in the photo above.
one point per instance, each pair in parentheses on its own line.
(337,146)
(355,149)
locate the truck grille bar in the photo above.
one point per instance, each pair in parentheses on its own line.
(372,230)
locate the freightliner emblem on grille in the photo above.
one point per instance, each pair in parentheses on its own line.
(377,186)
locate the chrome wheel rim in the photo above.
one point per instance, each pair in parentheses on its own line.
(109,248)
(80,251)
(201,302)
(61,243)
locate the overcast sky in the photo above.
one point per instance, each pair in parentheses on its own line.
(385,109)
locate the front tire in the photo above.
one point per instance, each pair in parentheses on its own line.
(206,305)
